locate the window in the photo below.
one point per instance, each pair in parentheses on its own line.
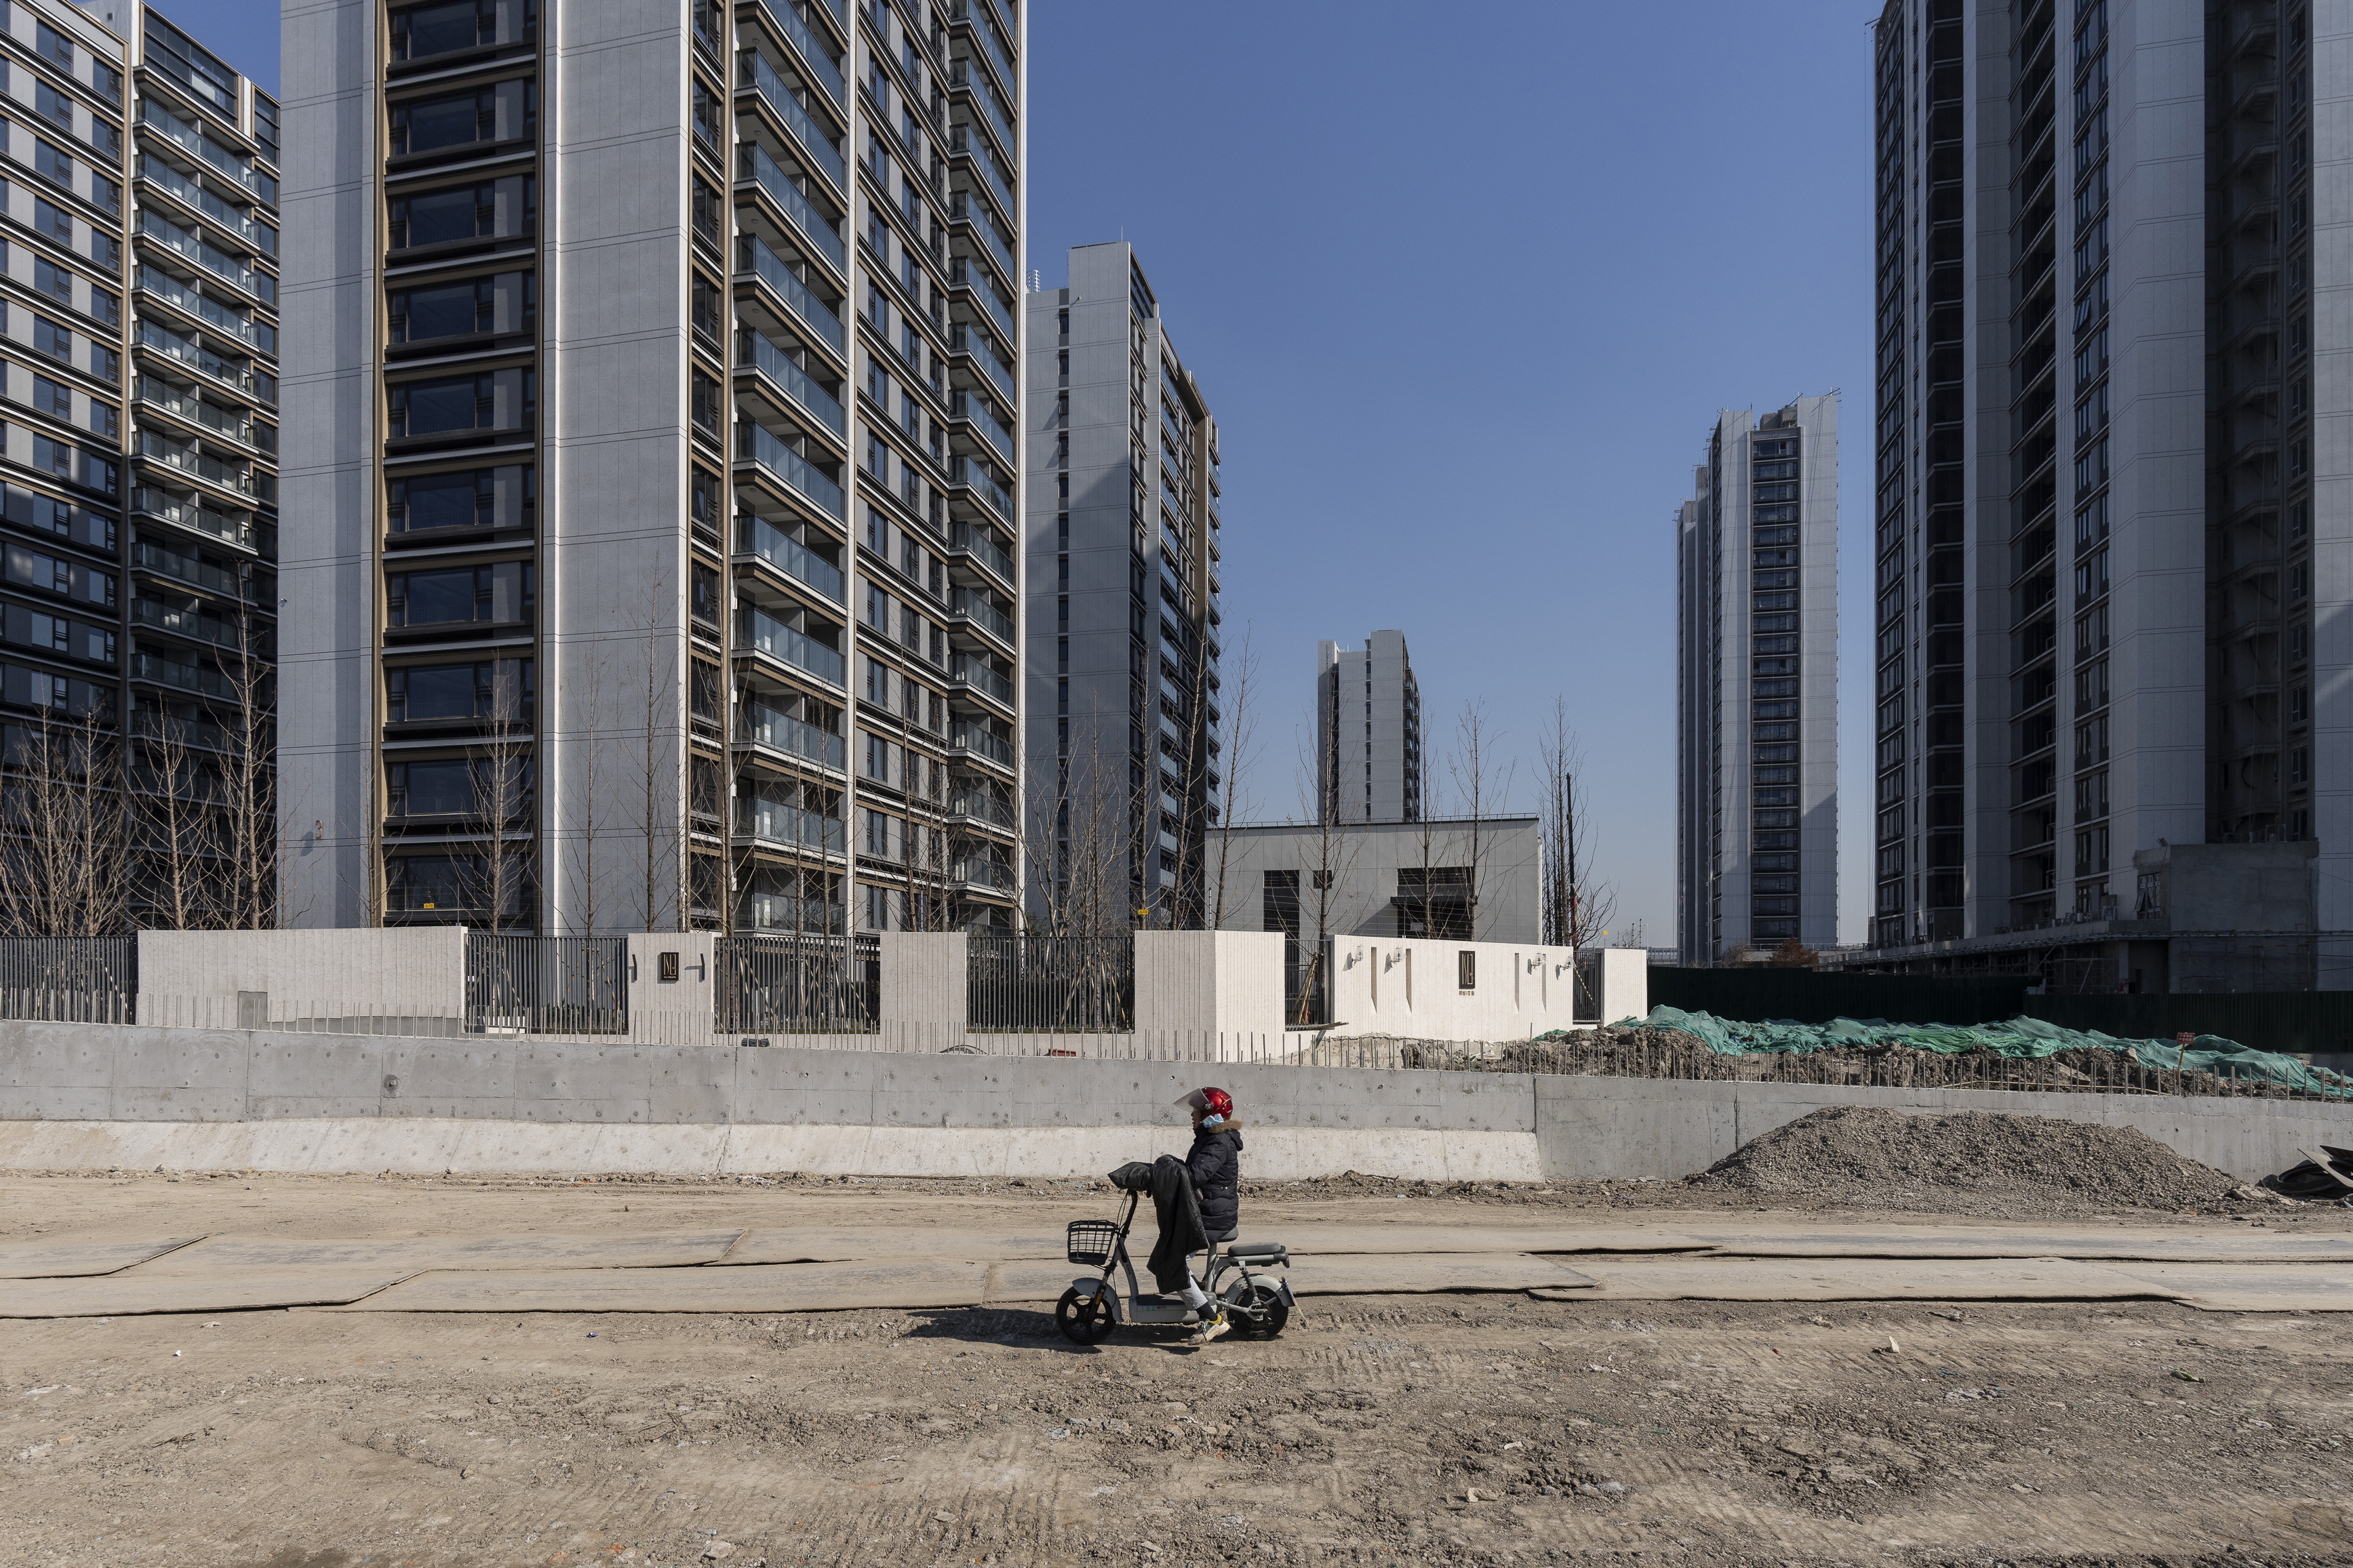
(454,595)
(416,693)
(53,105)
(52,220)
(508,112)
(503,399)
(444,788)
(52,398)
(53,44)
(53,339)
(52,164)
(265,112)
(447,309)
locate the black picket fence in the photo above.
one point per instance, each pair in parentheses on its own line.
(547,984)
(1058,982)
(798,984)
(70,979)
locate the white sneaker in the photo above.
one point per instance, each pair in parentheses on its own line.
(1210,1329)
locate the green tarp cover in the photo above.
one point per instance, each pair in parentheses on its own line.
(2020,1036)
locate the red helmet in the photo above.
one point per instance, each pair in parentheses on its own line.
(1212,1101)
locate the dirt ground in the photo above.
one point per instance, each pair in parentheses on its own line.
(1410,1429)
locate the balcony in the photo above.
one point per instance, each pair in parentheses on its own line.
(194,356)
(237,220)
(777,824)
(190,623)
(986,876)
(155,449)
(961,78)
(165,287)
(970,408)
(758,632)
(758,167)
(978,20)
(764,726)
(762,77)
(769,267)
(760,354)
(760,538)
(181,677)
(984,358)
(963,209)
(153,116)
(976,675)
(187,569)
(976,741)
(977,542)
(185,511)
(986,809)
(974,476)
(219,263)
(229,424)
(756,445)
(960,274)
(975,606)
(796,34)
(980,153)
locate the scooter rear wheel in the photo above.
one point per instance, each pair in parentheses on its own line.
(1259,1311)
(1083,1321)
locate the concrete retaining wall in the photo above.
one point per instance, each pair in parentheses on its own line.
(81,1096)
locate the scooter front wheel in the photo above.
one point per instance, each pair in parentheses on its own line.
(1083,1320)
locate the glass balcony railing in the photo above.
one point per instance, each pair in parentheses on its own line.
(762,538)
(976,606)
(778,823)
(977,148)
(966,670)
(983,808)
(237,220)
(967,406)
(764,726)
(983,355)
(965,736)
(219,263)
(982,546)
(757,352)
(770,268)
(185,677)
(190,140)
(154,448)
(190,624)
(796,32)
(762,76)
(184,512)
(962,273)
(824,235)
(961,75)
(762,633)
(974,872)
(797,473)
(162,395)
(970,471)
(784,912)
(165,286)
(964,206)
(986,26)
(194,356)
(187,569)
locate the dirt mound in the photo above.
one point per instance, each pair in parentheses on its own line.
(1973,1160)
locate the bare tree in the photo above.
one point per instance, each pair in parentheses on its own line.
(588,741)
(1240,737)
(664,830)
(1577,906)
(175,824)
(1331,853)
(62,866)
(249,784)
(1082,840)
(1485,787)
(502,795)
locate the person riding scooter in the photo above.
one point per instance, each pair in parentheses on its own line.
(1214,1164)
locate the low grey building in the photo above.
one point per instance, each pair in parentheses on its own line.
(1455,879)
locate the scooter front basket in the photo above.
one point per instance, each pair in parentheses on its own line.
(1092,1241)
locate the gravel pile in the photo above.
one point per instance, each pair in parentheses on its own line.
(1972,1162)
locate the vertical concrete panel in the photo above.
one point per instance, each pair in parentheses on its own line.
(674,1002)
(924,983)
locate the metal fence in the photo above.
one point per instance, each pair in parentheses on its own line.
(547,984)
(798,984)
(70,979)
(1058,982)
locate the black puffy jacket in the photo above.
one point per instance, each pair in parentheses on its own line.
(1216,1163)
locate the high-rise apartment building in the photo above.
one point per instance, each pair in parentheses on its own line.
(2115,542)
(1756,685)
(1368,735)
(1121,555)
(139,275)
(650,560)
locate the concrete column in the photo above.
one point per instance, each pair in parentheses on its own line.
(673,980)
(925,975)
(1210,983)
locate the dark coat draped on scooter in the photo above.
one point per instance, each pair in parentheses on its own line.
(1216,1163)
(1177,1212)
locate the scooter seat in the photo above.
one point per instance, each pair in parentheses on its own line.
(1259,1249)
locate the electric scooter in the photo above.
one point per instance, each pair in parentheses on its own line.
(1257,1302)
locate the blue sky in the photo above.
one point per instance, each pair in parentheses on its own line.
(1466,289)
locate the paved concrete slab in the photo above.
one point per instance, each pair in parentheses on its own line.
(1712,1276)
(2235,1243)
(2251,1288)
(226,1254)
(1350,1274)
(58,1260)
(133,1294)
(824,1244)
(755,1288)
